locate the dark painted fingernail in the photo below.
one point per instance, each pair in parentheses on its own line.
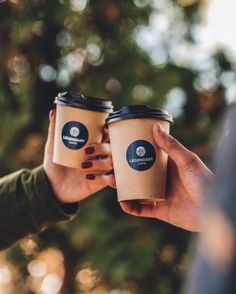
(87,164)
(89,150)
(90,177)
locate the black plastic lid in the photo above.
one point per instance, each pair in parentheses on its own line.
(78,100)
(139,111)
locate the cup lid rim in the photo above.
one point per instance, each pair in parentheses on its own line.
(78,100)
(139,111)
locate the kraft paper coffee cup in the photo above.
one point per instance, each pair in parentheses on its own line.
(139,165)
(79,122)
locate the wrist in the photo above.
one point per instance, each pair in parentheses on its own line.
(56,189)
(45,204)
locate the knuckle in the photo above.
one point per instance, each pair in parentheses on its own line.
(101,148)
(191,161)
(109,161)
(106,163)
(105,148)
(171,142)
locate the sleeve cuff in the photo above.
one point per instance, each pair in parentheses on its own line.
(28,205)
(45,207)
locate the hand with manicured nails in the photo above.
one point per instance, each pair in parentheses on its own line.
(187,182)
(70,184)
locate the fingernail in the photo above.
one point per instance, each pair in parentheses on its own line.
(89,150)
(90,177)
(87,164)
(160,128)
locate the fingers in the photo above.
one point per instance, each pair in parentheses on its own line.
(137,209)
(98,165)
(176,151)
(102,149)
(51,133)
(105,137)
(159,210)
(102,180)
(111,182)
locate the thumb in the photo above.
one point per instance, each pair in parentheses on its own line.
(175,150)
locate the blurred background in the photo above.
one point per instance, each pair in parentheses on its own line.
(175,54)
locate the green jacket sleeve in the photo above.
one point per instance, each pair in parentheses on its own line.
(28,205)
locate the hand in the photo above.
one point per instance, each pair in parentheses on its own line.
(187,179)
(70,184)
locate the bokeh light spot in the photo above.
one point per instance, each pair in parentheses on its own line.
(142,93)
(78,5)
(5,275)
(141,3)
(113,86)
(47,73)
(37,268)
(51,284)
(176,98)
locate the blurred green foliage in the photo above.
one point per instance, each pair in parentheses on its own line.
(92,47)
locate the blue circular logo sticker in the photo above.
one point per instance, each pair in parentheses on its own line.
(141,155)
(74,135)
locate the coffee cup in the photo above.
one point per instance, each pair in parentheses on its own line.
(79,122)
(139,164)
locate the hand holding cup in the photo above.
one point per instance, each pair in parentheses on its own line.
(71,184)
(187,182)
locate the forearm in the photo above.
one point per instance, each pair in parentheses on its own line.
(28,205)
